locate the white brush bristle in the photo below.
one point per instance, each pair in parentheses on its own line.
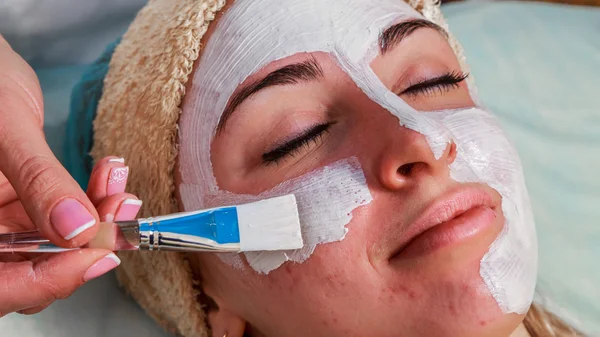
(271,224)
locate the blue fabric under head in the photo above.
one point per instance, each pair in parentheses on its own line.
(84,103)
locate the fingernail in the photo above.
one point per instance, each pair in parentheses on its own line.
(101,267)
(117,160)
(108,218)
(70,218)
(117,179)
(128,210)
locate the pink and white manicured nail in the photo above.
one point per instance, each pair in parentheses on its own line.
(117,160)
(102,266)
(128,210)
(70,218)
(117,180)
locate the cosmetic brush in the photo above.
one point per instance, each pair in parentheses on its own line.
(270,224)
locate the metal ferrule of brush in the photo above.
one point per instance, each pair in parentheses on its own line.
(175,236)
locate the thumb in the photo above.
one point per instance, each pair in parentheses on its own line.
(53,200)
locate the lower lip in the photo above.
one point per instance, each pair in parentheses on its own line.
(465,226)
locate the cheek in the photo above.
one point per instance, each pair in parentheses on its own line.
(334,274)
(340,269)
(330,271)
(334,284)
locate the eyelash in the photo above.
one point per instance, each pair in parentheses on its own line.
(441,84)
(292,147)
(315,134)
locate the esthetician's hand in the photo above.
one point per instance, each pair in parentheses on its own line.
(36,192)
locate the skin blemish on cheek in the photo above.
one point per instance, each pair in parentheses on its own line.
(332,284)
(400,292)
(409,293)
(293,282)
(387,295)
(452,310)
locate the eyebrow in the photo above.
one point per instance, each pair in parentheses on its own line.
(310,70)
(305,71)
(393,35)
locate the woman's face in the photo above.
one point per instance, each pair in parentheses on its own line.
(366,284)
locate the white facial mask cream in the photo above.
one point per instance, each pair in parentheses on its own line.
(253,33)
(325,197)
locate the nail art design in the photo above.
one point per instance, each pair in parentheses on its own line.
(118,175)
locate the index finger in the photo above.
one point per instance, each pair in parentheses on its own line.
(51,197)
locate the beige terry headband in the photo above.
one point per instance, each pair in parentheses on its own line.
(137,119)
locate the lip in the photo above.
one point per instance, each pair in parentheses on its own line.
(456,216)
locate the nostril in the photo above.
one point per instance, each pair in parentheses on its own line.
(405,169)
(452,153)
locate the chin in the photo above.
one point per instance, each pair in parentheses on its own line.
(491,321)
(475,312)
(460,305)
(502,326)
(447,294)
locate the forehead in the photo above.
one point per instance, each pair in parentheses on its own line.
(308,22)
(251,33)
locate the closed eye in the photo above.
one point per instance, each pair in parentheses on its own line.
(314,135)
(305,140)
(440,84)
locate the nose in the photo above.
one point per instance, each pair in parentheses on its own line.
(407,158)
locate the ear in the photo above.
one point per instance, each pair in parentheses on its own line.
(226,323)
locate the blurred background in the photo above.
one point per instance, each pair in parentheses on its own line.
(536,64)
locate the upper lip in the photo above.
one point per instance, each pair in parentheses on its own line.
(445,208)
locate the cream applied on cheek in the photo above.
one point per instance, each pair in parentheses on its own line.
(252,34)
(326,198)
